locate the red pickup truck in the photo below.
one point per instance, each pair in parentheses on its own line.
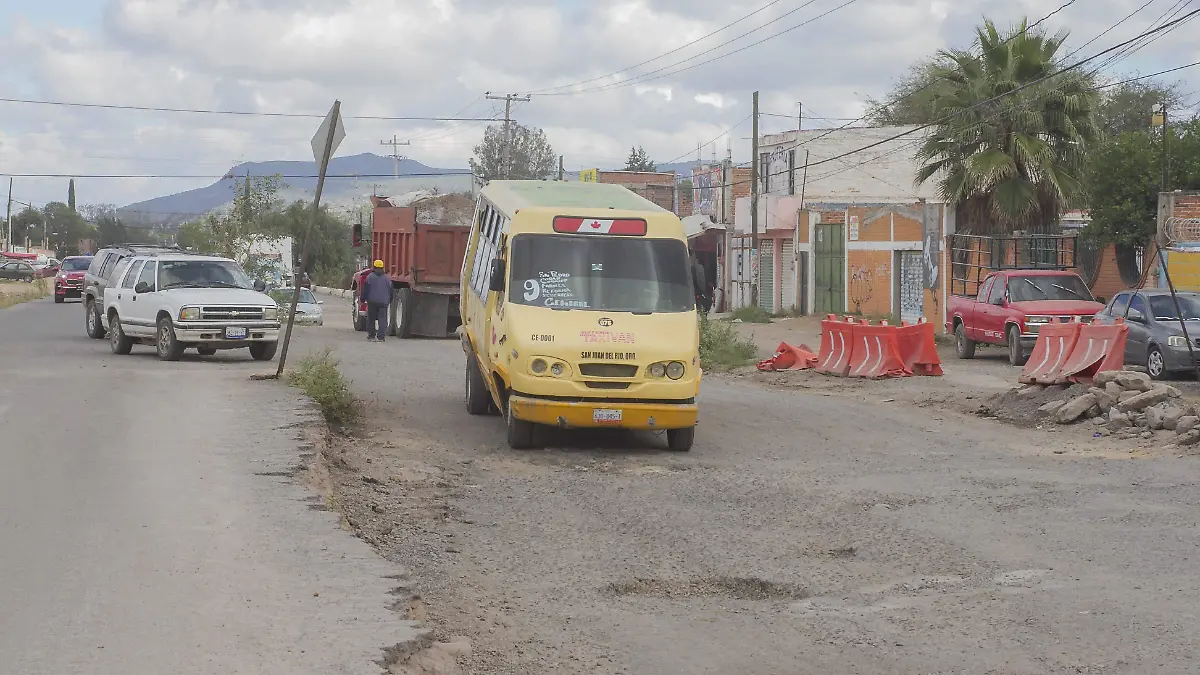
(1012,305)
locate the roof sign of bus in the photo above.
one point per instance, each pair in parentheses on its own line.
(635,227)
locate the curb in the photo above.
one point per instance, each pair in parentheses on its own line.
(335,292)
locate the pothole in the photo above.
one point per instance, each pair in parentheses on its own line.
(737,588)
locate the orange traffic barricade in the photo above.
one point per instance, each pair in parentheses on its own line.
(1054,345)
(875,352)
(918,351)
(788,357)
(837,339)
(1100,347)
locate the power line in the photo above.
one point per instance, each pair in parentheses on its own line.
(664,54)
(227,175)
(243,113)
(640,79)
(719,137)
(1144,77)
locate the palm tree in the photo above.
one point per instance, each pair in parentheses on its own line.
(1018,162)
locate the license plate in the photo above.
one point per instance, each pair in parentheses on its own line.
(235,333)
(606,416)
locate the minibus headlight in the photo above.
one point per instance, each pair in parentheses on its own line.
(556,369)
(658,370)
(538,366)
(674,370)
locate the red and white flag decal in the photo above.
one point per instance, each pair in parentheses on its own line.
(626,226)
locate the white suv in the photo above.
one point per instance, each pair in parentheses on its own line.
(177,300)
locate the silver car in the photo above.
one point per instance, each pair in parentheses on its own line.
(308,310)
(1156,339)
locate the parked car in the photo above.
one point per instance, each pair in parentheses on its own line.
(1156,339)
(68,283)
(1012,305)
(97,276)
(308,309)
(18,271)
(49,269)
(177,301)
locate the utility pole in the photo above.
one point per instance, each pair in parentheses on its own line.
(560,168)
(8,218)
(754,203)
(800,116)
(508,101)
(1166,177)
(396,157)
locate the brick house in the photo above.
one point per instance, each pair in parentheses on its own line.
(660,188)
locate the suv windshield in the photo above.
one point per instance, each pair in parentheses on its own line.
(1163,307)
(201,274)
(601,273)
(76,264)
(1048,287)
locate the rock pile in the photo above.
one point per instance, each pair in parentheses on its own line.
(1128,404)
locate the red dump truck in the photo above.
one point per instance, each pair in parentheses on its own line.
(424,261)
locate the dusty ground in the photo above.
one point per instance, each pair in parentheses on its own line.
(820,528)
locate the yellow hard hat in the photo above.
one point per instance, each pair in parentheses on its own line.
(379,264)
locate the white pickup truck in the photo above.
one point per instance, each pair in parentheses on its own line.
(177,300)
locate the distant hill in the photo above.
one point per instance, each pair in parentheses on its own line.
(351,181)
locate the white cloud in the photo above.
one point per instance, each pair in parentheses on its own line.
(438,57)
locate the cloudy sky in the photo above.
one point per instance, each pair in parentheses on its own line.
(436,58)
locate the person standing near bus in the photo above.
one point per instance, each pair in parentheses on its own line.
(377,293)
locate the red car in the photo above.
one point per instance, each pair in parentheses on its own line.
(358,313)
(68,283)
(1012,305)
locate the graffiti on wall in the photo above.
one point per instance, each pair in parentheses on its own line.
(863,281)
(706,186)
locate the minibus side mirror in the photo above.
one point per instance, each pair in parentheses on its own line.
(496,281)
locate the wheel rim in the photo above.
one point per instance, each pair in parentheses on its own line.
(1014,346)
(164,339)
(91,319)
(1154,363)
(115,332)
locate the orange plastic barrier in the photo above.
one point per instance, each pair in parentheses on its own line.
(1054,345)
(875,352)
(1100,347)
(837,339)
(918,351)
(788,357)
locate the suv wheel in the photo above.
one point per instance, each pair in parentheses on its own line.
(117,339)
(963,347)
(169,347)
(263,351)
(92,321)
(1016,351)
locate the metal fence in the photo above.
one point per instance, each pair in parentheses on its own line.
(973,257)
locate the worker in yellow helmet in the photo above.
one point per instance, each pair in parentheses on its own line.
(377,293)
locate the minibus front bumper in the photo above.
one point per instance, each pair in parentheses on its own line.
(585,414)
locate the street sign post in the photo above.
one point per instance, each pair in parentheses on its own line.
(326,141)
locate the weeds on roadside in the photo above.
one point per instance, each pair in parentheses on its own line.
(752,314)
(40,288)
(318,376)
(721,347)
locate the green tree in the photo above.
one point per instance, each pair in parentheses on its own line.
(330,255)
(110,230)
(1126,176)
(229,233)
(28,223)
(532,158)
(71,194)
(65,229)
(639,160)
(913,97)
(1127,107)
(1019,162)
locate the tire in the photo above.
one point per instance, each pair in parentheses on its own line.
(1016,352)
(963,347)
(117,339)
(680,440)
(205,351)
(479,399)
(401,325)
(168,345)
(92,321)
(263,351)
(1156,366)
(520,432)
(60,299)
(357,318)
(28,280)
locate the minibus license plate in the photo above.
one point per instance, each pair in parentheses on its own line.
(235,333)
(606,416)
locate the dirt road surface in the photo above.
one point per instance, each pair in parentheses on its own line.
(148,523)
(807,531)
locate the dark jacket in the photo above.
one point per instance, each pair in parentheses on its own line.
(698,278)
(377,288)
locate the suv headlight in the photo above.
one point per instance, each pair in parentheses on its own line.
(270,313)
(1176,341)
(189,314)
(1038,319)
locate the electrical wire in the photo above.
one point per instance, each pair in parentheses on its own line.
(227,175)
(664,54)
(719,137)
(244,113)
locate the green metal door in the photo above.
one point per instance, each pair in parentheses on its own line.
(829,269)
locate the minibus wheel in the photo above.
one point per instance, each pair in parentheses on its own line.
(479,399)
(520,432)
(680,440)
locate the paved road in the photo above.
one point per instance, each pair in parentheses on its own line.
(804,533)
(139,534)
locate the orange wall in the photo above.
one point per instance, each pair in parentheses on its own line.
(870,284)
